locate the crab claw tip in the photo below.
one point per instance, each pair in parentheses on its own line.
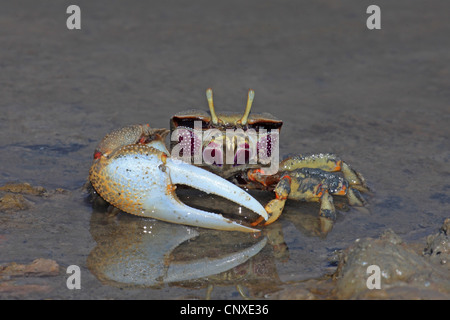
(186,174)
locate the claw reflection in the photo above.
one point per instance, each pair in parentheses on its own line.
(140,252)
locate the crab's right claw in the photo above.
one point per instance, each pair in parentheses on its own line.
(140,179)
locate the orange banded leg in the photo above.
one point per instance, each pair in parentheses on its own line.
(275,207)
(355,179)
(330,163)
(355,198)
(326,162)
(327,213)
(327,209)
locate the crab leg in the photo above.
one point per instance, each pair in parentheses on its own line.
(140,179)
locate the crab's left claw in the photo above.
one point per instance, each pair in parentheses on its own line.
(140,179)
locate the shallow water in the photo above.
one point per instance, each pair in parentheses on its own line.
(379,99)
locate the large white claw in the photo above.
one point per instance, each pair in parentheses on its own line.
(140,179)
(184,173)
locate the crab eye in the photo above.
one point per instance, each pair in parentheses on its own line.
(212,154)
(242,155)
(189,143)
(265,145)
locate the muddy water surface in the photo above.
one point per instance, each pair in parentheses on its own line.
(379,99)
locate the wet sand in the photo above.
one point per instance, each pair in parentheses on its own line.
(378,98)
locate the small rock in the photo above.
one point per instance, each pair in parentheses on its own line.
(38,268)
(12,289)
(405,273)
(23,188)
(13,202)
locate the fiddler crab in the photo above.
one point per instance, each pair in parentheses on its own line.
(222,154)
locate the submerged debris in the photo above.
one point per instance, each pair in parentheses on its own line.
(13,202)
(38,268)
(12,195)
(23,188)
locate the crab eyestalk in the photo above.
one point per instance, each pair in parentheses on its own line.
(250,97)
(209,97)
(141,179)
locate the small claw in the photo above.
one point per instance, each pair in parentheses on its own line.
(140,179)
